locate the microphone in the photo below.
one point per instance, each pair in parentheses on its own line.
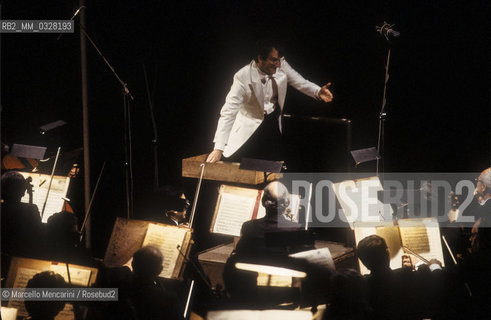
(76,12)
(73,17)
(391,33)
(387,31)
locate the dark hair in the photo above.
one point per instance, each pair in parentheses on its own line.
(13,186)
(264,48)
(62,229)
(147,262)
(372,251)
(45,309)
(176,204)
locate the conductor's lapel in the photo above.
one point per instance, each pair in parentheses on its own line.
(282,83)
(257,86)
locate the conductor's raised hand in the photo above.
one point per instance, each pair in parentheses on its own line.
(214,156)
(324,93)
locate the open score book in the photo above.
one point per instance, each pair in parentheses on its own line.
(236,205)
(421,236)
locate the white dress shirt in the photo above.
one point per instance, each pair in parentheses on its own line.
(269,94)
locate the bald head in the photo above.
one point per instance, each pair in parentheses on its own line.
(485,177)
(275,198)
(483,188)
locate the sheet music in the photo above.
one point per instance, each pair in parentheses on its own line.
(268,280)
(236,206)
(261,210)
(423,237)
(127,237)
(9,313)
(78,276)
(21,278)
(259,315)
(319,257)
(294,206)
(416,239)
(233,211)
(359,200)
(166,239)
(40,183)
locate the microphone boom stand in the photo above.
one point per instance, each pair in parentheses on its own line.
(127,97)
(388,33)
(382,118)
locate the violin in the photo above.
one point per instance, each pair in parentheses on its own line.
(74,171)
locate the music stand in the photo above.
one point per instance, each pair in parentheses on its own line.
(261,165)
(27,151)
(364,155)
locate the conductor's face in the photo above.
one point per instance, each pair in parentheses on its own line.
(269,65)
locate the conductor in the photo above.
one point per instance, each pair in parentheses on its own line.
(250,120)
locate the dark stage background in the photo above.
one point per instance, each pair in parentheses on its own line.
(438,93)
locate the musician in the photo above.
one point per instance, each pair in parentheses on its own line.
(252,248)
(252,243)
(144,293)
(400,293)
(21,222)
(254,104)
(460,238)
(476,265)
(168,205)
(45,309)
(62,235)
(483,194)
(176,210)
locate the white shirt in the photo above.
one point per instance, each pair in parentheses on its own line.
(484,202)
(270,97)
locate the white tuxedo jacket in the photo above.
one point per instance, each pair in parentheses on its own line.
(243,110)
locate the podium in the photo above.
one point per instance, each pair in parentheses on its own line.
(224,171)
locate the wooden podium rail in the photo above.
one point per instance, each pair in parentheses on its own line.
(224,171)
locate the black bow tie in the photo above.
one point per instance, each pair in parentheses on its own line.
(263,80)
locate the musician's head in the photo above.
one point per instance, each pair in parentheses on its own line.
(62,230)
(147,263)
(14,186)
(483,187)
(45,309)
(276,198)
(177,207)
(374,253)
(267,56)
